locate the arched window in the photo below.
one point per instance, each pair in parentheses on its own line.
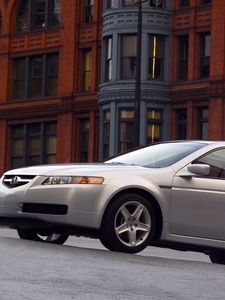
(38,14)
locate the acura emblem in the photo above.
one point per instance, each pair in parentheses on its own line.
(15,180)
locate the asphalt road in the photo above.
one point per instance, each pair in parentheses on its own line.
(83,269)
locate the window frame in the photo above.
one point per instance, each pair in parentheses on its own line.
(89,11)
(123,58)
(204,60)
(201,121)
(28,61)
(181,123)
(84,133)
(154,122)
(184,3)
(157,39)
(108,58)
(26,137)
(123,145)
(86,73)
(106,133)
(30,16)
(183,48)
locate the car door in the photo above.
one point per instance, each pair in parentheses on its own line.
(197,206)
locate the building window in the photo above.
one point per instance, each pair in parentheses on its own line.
(205,2)
(84,139)
(35,76)
(126,130)
(202,120)
(33,144)
(86,70)
(89,11)
(154,126)
(204,55)
(52,75)
(108,59)
(183,48)
(128,57)
(181,124)
(184,3)
(106,133)
(156,57)
(110,4)
(0,22)
(129,2)
(20,80)
(157,3)
(54,13)
(38,14)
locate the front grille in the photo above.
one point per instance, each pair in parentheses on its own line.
(48,209)
(12,181)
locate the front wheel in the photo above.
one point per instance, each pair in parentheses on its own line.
(217,258)
(129,224)
(41,236)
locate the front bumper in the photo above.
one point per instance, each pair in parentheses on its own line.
(85,203)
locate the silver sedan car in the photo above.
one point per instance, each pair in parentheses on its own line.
(169,194)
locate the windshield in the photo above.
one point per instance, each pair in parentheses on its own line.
(158,155)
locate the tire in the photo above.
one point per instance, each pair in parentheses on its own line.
(53,238)
(128,224)
(217,258)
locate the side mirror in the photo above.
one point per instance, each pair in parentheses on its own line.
(199,169)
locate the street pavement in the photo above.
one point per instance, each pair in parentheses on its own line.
(83,269)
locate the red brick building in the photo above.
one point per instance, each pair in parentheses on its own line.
(198,70)
(49,77)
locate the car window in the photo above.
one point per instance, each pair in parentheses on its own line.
(216,160)
(158,155)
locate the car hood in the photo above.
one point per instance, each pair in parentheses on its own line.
(73,169)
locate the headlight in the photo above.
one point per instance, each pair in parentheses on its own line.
(73,180)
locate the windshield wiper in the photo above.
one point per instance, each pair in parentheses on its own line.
(115,163)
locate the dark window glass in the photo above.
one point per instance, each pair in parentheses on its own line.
(35,76)
(33,144)
(22,18)
(216,161)
(52,75)
(204,55)
(183,44)
(154,126)
(54,13)
(181,124)
(126,130)
(128,57)
(38,14)
(156,57)
(157,3)
(206,1)
(202,119)
(106,132)
(184,3)
(84,140)
(0,22)
(108,59)
(19,89)
(39,11)
(89,11)
(86,70)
